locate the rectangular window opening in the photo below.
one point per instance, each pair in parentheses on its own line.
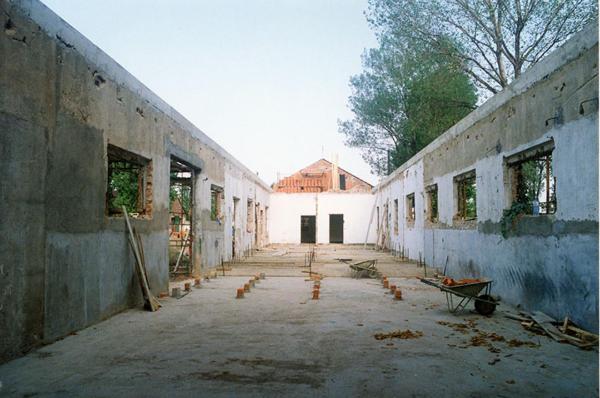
(128,183)
(533,180)
(250,216)
(216,202)
(466,191)
(396,216)
(410,207)
(342,182)
(432,203)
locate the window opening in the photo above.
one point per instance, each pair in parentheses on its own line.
(127,183)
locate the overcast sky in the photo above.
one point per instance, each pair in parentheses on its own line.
(265,79)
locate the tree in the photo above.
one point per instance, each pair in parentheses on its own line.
(123,186)
(181,192)
(405,97)
(499,38)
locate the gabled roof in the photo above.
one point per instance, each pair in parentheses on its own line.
(329,164)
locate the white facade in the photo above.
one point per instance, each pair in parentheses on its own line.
(286,210)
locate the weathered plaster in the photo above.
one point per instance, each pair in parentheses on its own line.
(65,263)
(547,262)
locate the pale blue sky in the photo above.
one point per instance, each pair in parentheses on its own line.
(265,79)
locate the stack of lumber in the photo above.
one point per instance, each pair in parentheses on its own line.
(564,332)
(150,302)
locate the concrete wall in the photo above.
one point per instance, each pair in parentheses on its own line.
(65,264)
(548,262)
(286,209)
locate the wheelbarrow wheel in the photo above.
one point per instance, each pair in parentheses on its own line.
(484,307)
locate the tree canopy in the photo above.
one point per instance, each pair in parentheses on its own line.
(435,56)
(406,96)
(499,38)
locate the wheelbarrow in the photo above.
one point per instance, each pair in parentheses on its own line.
(484,303)
(365,269)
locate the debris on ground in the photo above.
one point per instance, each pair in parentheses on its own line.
(519,343)
(563,332)
(399,334)
(478,341)
(482,338)
(460,327)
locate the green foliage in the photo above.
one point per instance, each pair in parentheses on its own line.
(181,192)
(532,180)
(123,185)
(405,98)
(433,197)
(470,199)
(214,205)
(498,39)
(510,216)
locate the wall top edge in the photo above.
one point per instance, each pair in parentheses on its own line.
(62,33)
(569,51)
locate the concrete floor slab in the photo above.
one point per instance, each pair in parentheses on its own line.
(290,260)
(277,341)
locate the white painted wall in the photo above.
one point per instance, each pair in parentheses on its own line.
(550,262)
(286,209)
(408,236)
(356,208)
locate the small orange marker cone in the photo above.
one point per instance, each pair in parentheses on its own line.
(247,288)
(315,294)
(386,284)
(392,288)
(240,293)
(398,294)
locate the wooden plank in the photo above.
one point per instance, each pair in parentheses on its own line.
(151,304)
(582,332)
(183,247)
(155,304)
(516,317)
(565,324)
(546,323)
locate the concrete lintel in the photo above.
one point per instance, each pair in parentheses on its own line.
(190,158)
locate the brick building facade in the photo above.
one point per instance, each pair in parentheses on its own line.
(321,176)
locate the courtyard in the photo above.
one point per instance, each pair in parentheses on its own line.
(278,341)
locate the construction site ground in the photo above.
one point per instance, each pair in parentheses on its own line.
(291,260)
(278,341)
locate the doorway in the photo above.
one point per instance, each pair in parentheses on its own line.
(336,228)
(235,231)
(308,229)
(181,229)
